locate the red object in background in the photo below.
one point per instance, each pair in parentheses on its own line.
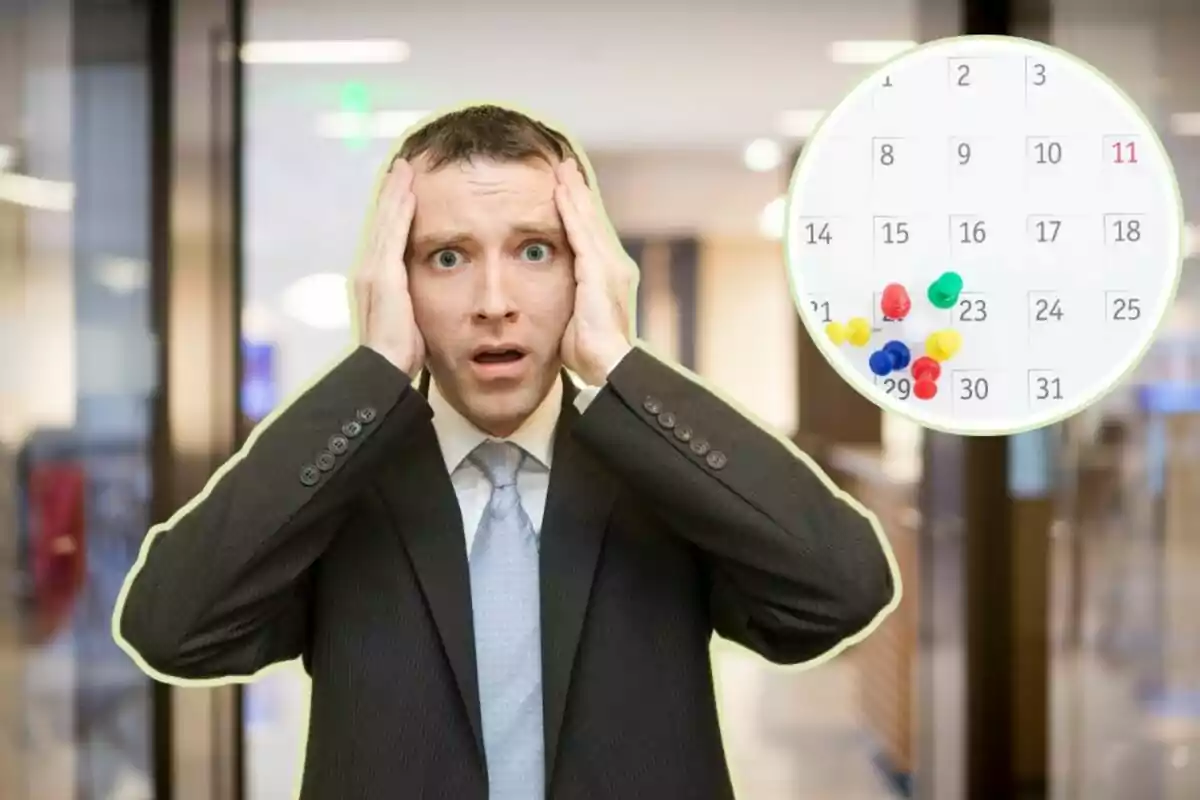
(56,544)
(895,302)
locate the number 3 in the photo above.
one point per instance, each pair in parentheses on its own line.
(1039,74)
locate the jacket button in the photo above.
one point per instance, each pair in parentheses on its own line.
(653,406)
(309,475)
(667,420)
(366,415)
(338,444)
(699,447)
(683,433)
(325,461)
(352,429)
(716,459)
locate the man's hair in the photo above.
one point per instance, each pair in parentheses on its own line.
(486,132)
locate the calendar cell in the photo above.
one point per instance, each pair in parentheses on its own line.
(1046,387)
(980,169)
(1124,309)
(975,239)
(982,90)
(1012,243)
(976,391)
(1123,157)
(1124,234)
(1059,167)
(1054,242)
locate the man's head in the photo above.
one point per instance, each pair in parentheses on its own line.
(490,269)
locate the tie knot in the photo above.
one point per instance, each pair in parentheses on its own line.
(499,461)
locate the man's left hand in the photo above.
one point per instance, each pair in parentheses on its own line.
(598,335)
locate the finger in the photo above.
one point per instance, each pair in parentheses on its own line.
(577,234)
(578,200)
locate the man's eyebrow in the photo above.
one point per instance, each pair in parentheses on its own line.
(439,240)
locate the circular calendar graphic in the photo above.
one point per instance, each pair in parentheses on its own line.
(984,236)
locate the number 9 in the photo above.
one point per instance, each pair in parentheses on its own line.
(964,154)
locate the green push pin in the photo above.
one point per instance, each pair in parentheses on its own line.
(943,293)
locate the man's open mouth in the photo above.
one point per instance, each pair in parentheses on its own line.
(498,355)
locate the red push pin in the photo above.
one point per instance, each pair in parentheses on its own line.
(926,368)
(925,389)
(895,302)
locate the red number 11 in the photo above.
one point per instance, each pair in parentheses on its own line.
(1125,153)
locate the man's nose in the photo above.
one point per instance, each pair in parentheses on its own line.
(493,300)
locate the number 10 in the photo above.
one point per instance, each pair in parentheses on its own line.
(1124,153)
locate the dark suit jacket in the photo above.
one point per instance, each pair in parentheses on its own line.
(338,539)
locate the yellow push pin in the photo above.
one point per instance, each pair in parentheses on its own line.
(858,332)
(942,345)
(836,331)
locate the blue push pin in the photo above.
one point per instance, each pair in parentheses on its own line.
(899,353)
(881,362)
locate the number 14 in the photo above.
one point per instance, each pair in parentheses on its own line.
(1124,152)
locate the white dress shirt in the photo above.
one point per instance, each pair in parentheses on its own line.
(458,437)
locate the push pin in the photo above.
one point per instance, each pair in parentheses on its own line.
(895,302)
(925,389)
(942,345)
(944,292)
(926,368)
(858,332)
(836,332)
(899,354)
(925,372)
(881,363)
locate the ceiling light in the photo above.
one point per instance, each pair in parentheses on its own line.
(36,193)
(377,125)
(371,51)
(868,51)
(763,155)
(770,221)
(319,301)
(1186,124)
(800,123)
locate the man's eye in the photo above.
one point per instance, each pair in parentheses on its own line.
(446,259)
(536,252)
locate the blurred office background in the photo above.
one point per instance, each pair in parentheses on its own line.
(183,186)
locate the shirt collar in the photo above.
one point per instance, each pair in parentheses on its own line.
(458,437)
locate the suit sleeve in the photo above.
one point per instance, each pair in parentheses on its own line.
(794,568)
(223,589)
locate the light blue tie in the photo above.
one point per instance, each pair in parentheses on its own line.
(508,641)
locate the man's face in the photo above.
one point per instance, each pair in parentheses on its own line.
(492,281)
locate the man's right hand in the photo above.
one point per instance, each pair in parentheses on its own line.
(386,322)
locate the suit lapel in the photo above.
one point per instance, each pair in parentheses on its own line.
(577,509)
(421,496)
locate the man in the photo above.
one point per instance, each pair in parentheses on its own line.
(503,586)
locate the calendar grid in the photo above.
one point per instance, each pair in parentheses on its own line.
(1026,175)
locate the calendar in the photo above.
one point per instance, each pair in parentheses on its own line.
(984,235)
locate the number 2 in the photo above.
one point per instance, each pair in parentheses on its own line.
(964,72)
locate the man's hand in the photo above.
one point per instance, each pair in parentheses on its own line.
(598,335)
(385,318)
